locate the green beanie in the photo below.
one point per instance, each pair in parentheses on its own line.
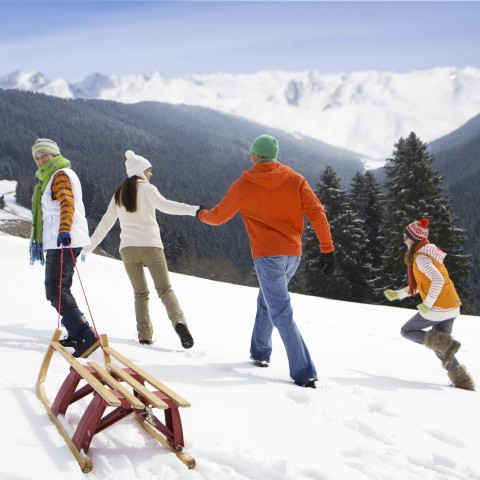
(266,146)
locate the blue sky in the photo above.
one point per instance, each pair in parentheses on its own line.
(72,39)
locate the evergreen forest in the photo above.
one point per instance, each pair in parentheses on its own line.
(196,153)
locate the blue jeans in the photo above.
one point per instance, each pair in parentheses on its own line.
(274,310)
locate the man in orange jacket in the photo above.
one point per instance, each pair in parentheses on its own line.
(273,199)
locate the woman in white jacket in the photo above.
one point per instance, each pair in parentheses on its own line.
(134,205)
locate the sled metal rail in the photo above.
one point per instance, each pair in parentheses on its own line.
(123,390)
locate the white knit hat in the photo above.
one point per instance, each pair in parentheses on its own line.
(45,145)
(136,164)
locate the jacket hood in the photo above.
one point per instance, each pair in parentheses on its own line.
(433,251)
(269,175)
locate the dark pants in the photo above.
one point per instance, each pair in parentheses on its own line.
(52,278)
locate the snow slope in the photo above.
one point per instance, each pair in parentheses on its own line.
(366,112)
(12,210)
(383,408)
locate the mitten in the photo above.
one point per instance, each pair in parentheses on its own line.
(392,295)
(423,308)
(64,239)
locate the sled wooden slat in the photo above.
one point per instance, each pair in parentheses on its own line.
(181,402)
(137,386)
(130,397)
(96,385)
(106,394)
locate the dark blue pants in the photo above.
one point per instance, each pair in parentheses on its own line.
(52,278)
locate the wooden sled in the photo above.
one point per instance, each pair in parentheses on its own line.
(123,389)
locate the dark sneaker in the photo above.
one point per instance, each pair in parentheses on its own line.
(184,334)
(310,384)
(145,342)
(67,341)
(260,363)
(86,343)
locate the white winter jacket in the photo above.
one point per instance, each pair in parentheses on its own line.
(51,215)
(140,228)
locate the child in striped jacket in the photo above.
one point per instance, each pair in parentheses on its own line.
(440,305)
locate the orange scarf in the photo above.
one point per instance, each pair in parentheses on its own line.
(412,283)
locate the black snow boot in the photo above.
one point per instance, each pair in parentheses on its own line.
(86,343)
(184,334)
(67,341)
(85,339)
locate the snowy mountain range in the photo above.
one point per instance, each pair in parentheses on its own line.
(366,112)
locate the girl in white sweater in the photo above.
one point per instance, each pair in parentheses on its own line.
(134,205)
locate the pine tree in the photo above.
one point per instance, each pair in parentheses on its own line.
(352,279)
(414,192)
(367,202)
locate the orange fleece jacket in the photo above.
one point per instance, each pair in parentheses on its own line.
(273,199)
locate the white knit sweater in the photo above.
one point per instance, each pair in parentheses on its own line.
(140,228)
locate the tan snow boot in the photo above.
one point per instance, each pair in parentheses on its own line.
(443,343)
(461,378)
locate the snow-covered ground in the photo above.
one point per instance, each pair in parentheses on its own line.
(12,211)
(383,408)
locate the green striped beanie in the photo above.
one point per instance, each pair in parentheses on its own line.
(45,145)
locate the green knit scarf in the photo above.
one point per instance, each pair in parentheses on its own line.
(44,174)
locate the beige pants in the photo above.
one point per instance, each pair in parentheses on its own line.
(135,259)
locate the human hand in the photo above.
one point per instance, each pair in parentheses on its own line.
(64,239)
(423,308)
(391,295)
(328,263)
(199,209)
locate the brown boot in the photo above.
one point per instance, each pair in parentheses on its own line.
(461,378)
(443,343)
